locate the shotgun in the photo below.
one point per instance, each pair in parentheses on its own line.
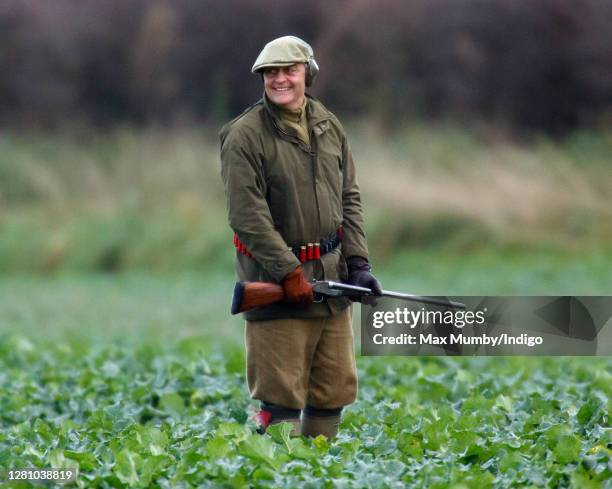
(249,295)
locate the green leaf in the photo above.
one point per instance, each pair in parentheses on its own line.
(483,480)
(218,447)
(99,420)
(260,449)
(300,450)
(155,439)
(44,431)
(510,460)
(411,446)
(172,403)
(505,403)
(582,480)
(588,410)
(555,433)
(280,433)
(232,430)
(461,440)
(57,458)
(263,473)
(87,461)
(125,467)
(110,369)
(476,403)
(321,443)
(567,449)
(152,467)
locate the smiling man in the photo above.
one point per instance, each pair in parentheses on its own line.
(285,86)
(294,206)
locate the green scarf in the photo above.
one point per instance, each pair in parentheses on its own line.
(297,120)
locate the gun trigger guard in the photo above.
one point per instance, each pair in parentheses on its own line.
(317,298)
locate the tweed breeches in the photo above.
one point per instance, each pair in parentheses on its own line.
(299,362)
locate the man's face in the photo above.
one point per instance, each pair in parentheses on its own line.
(285,85)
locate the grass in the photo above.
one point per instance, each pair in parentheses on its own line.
(177,304)
(129,307)
(154,199)
(501,272)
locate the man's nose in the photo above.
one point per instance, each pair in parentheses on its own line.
(280,76)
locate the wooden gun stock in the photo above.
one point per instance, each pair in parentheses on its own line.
(249,295)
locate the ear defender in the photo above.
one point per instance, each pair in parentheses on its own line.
(312,70)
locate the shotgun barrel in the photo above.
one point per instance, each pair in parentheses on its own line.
(325,287)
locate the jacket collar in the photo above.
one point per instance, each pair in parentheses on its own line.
(315,111)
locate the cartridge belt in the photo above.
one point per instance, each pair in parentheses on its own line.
(313,251)
(306,252)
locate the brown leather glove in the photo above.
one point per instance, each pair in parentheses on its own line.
(296,288)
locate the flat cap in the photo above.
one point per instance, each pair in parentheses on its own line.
(284,51)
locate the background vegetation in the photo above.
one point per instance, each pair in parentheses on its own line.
(533,64)
(152,199)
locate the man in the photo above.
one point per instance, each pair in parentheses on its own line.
(294,205)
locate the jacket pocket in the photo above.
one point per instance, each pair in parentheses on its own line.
(334,265)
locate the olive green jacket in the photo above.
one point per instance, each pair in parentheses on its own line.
(282,193)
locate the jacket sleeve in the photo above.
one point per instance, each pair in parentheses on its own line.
(354,241)
(248,211)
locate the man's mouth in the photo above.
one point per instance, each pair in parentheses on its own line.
(285,89)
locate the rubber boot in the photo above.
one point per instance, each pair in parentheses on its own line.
(263,419)
(272,414)
(317,422)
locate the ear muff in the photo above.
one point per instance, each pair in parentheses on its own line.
(312,70)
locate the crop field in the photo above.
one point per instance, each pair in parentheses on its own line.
(138,381)
(118,356)
(154,415)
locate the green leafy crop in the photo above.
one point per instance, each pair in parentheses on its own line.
(176,416)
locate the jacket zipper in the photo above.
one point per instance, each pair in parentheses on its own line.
(315,176)
(314,159)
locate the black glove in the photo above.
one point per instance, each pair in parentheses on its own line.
(360,274)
